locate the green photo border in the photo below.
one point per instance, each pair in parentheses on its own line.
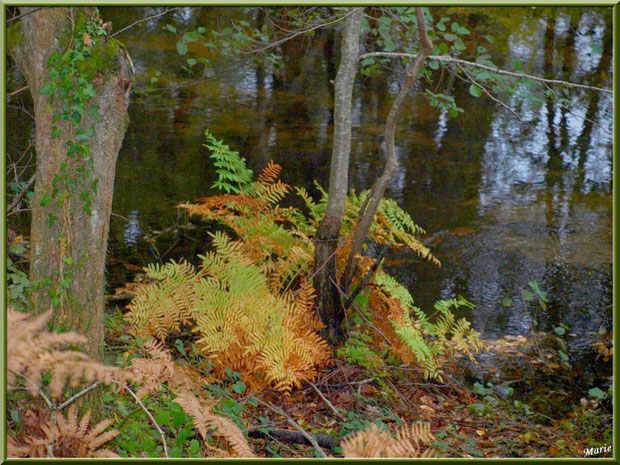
(616,17)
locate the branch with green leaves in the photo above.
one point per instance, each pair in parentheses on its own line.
(447,59)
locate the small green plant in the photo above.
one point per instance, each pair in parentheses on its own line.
(18,283)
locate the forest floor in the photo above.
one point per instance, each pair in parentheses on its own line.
(513,401)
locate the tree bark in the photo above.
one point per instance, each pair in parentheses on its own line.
(329,302)
(381,184)
(78,235)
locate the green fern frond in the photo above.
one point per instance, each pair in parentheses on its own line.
(233,174)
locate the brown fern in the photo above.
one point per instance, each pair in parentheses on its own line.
(160,369)
(64,436)
(33,351)
(205,420)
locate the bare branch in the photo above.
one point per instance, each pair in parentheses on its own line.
(458,61)
(15,18)
(303,31)
(20,196)
(491,96)
(15,92)
(167,10)
(425,40)
(380,185)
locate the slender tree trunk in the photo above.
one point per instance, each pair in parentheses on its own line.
(79,237)
(329,303)
(381,184)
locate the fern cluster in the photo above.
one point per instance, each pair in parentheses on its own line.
(250,300)
(392,225)
(33,354)
(240,321)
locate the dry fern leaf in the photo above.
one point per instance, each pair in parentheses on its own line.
(66,437)
(161,368)
(32,351)
(374,442)
(206,420)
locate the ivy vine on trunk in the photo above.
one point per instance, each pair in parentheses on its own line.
(80,81)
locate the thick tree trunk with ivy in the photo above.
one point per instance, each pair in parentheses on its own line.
(326,277)
(70,223)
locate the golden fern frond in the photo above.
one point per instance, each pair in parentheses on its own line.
(270,173)
(375,442)
(167,304)
(205,419)
(368,443)
(33,351)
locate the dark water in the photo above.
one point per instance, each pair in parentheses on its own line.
(504,201)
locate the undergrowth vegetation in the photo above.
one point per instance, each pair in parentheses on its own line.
(250,302)
(198,342)
(219,357)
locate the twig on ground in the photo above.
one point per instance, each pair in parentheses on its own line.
(294,424)
(326,400)
(77,396)
(323,440)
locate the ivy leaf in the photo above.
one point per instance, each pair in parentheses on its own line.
(46,199)
(475,90)
(181,48)
(527,296)
(239,387)
(597,393)
(596,48)
(171,28)
(191,62)
(88,41)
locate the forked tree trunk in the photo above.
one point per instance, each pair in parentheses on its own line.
(326,277)
(32,40)
(378,189)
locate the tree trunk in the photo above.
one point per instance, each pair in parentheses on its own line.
(329,303)
(72,248)
(378,189)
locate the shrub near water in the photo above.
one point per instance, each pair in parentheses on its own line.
(250,301)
